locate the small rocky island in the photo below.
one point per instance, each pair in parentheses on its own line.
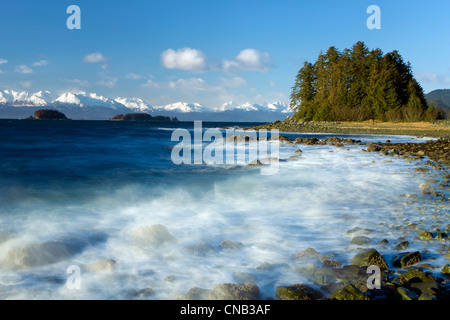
(141,117)
(48,114)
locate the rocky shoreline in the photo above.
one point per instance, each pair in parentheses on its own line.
(439,129)
(405,274)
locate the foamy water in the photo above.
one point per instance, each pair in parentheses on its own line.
(310,202)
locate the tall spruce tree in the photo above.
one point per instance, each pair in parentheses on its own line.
(358,84)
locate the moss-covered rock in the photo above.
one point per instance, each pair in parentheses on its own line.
(349,292)
(425,235)
(402,246)
(307,253)
(369,257)
(446,270)
(232,291)
(406,259)
(407,294)
(297,292)
(360,240)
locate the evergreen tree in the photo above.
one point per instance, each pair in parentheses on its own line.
(358,84)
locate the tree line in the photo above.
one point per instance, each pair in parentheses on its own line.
(359,84)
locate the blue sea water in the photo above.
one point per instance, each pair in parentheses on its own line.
(74,193)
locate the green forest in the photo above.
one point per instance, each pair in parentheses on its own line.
(359,84)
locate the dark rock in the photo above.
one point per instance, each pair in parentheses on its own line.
(349,292)
(402,246)
(197,294)
(298,292)
(369,257)
(360,240)
(406,259)
(200,249)
(227,244)
(231,291)
(48,114)
(307,253)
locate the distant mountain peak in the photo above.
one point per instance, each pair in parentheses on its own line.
(84,105)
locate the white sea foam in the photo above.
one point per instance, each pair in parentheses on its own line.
(311,202)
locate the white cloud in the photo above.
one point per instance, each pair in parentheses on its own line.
(133,76)
(82,83)
(109,82)
(235,82)
(432,77)
(184,59)
(197,84)
(41,63)
(3,61)
(94,58)
(23,69)
(194,60)
(26,84)
(249,60)
(150,83)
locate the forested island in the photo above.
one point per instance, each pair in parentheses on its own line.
(359,84)
(48,114)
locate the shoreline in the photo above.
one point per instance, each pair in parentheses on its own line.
(438,129)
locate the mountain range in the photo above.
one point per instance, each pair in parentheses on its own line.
(91,106)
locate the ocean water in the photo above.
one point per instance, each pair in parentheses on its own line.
(73,193)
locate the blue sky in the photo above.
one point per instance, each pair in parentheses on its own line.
(210,52)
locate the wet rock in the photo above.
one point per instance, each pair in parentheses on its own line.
(349,292)
(360,240)
(446,270)
(369,257)
(373,148)
(307,253)
(141,294)
(406,259)
(232,291)
(425,235)
(406,294)
(200,249)
(415,274)
(49,252)
(357,231)
(297,292)
(227,244)
(106,265)
(155,235)
(197,294)
(427,296)
(402,246)
(328,263)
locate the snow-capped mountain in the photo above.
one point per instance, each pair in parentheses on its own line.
(19,99)
(136,104)
(91,106)
(183,107)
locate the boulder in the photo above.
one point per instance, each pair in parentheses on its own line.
(155,235)
(232,291)
(227,244)
(349,292)
(200,249)
(106,265)
(307,253)
(297,292)
(49,252)
(369,257)
(406,259)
